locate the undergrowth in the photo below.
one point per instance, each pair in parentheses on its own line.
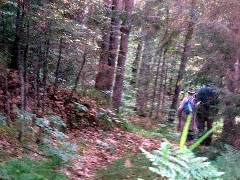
(173,163)
(229,162)
(43,137)
(118,171)
(131,127)
(31,169)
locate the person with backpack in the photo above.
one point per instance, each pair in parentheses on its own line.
(187,107)
(207,110)
(182,94)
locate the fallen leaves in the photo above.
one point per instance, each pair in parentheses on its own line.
(102,148)
(98,148)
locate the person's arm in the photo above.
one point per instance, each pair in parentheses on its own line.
(180,108)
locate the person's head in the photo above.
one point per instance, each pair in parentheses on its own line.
(191,91)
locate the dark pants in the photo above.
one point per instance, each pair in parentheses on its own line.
(190,135)
(202,122)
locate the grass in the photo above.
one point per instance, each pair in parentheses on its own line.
(131,127)
(118,171)
(139,163)
(162,130)
(30,169)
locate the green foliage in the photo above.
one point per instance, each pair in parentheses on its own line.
(168,130)
(80,107)
(3,121)
(56,142)
(118,171)
(172,163)
(101,97)
(30,169)
(229,162)
(57,121)
(23,117)
(131,127)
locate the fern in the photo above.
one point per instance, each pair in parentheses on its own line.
(229,162)
(3,121)
(174,164)
(24,117)
(57,121)
(61,148)
(80,107)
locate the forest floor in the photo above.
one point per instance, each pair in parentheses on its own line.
(101,148)
(102,137)
(98,143)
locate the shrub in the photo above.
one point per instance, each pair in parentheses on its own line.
(171,162)
(229,162)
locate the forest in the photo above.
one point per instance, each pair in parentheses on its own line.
(96,89)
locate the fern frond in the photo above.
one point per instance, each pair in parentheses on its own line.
(170,162)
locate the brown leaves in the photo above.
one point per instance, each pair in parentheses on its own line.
(103,148)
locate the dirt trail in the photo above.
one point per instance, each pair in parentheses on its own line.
(102,148)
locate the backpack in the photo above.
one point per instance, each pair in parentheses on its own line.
(209,102)
(207,95)
(188,107)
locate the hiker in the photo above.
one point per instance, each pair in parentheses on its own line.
(207,110)
(182,94)
(183,114)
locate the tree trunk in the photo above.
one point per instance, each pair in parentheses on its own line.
(113,46)
(135,65)
(16,44)
(21,128)
(155,83)
(102,76)
(184,58)
(230,119)
(144,77)
(37,76)
(58,64)
(45,77)
(78,77)
(8,121)
(161,79)
(125,31)
(164,91)
(25,58)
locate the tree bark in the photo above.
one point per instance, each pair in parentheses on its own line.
(230,119)
(58,64)
(25,58)
(102,76)
(37,76)
(184,59)
(135,65)
(78,77)
(155,84)
(16,44)
(161,79)
(45,77)
(113,46)
(8,121)
(144,77)
(125,31)
(163,105)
